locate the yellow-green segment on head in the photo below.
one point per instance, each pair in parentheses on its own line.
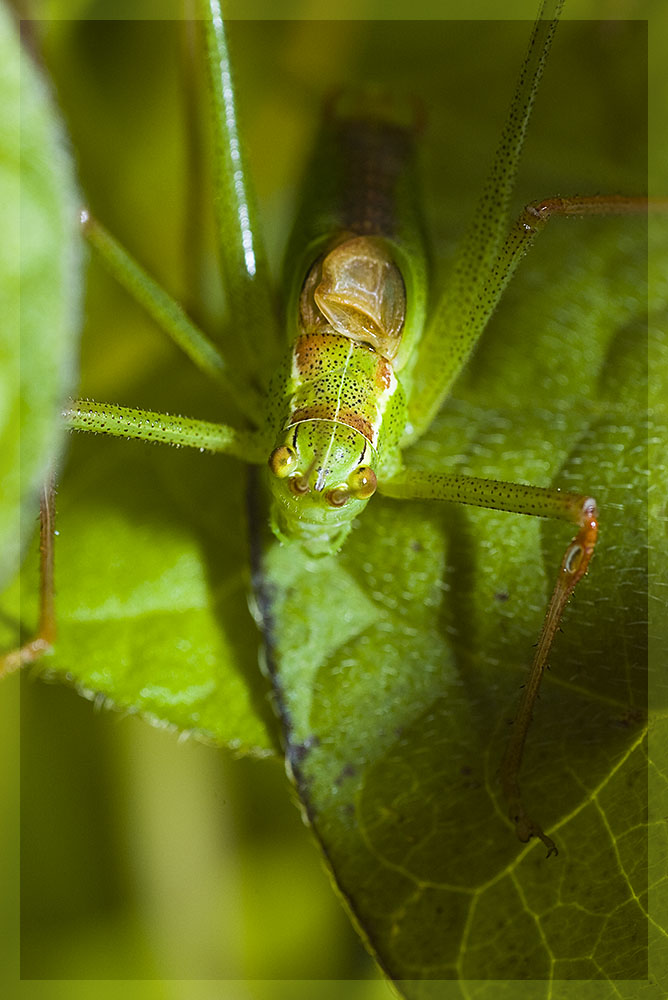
(322,478)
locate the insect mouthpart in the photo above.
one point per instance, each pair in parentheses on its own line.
(299,485)
(315,538)
(321,480)
(338,497)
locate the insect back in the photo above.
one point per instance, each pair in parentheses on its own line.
(356,306)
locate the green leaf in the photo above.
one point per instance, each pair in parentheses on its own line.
(399,663)
(40,262)
(397,718)
(152,595)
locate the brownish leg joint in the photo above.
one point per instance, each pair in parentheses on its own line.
(573,567)
(45,635)
(535,216)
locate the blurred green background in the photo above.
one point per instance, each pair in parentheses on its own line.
(142,857)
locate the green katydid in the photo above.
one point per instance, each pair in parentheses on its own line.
(319,495)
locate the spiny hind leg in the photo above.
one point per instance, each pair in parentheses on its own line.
(573,567)
(578,509)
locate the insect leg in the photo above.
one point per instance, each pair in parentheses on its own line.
(573,567)
(163,428)
(461,332)
(120,421)
(169,315)
(576,508)
(465,305)
(45,635)
(241,251)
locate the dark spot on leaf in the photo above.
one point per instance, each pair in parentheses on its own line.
(297,752)
(347,771)
(632,717)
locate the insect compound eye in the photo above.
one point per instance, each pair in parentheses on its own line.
(282,461)
(363,482)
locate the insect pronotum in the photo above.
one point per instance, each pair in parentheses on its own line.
(368,362)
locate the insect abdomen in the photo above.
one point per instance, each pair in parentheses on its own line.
(376,154)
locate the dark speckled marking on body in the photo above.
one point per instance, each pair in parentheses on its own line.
(340,380)
(341,416)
